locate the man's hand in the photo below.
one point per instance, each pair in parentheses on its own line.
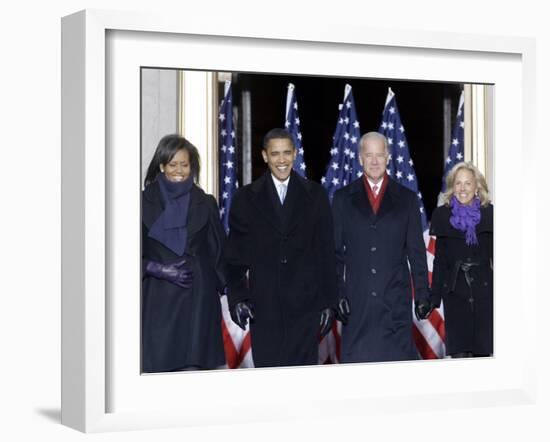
(343,311)
(325,324)
(422,309)
(242,313)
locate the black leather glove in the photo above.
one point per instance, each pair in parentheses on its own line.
(343,311)
(422,309)
(241,313)
(327,318)
(174,273)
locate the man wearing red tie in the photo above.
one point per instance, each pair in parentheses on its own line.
(380,252)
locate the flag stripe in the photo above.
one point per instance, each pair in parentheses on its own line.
(245,348)
(231,355)
(437,322)
(236,341)
(422,345)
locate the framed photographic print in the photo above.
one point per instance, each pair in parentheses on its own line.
(104,54)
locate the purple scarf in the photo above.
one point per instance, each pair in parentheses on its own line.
(465,218)
(170,228)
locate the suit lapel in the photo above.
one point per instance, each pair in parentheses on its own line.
(294,206)
(486,223)
(388,200)
(360,200)
(195,214)
(263,200)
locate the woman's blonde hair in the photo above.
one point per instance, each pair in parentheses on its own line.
(482,191)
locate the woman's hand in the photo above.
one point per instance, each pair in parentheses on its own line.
(175,273)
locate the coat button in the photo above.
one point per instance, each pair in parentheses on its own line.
(284,261)
(373,293)
(373,226)
(373,249)
(373,271)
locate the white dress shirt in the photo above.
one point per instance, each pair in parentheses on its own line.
(281,186)
(379,184)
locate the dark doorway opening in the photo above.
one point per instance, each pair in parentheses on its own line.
(427,110)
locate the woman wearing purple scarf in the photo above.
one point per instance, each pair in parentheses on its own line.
(182,274)
(463,265)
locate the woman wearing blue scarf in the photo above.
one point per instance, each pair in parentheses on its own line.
(182,274)
(463,265)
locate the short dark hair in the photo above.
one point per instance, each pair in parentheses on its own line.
(277,133)
(168,146)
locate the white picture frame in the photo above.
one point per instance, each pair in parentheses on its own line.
(93,364)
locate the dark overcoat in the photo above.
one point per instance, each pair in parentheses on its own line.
(288,252)
(182,327)
(468,312)
(373,252)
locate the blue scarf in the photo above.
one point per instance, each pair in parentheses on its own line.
(465,218)
(170,228)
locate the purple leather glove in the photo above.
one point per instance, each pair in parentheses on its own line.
(174,273)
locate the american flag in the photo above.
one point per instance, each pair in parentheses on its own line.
(329,344)
(237,345)
(456,150)
(428,334)
(292,124)
(400,164)
(455,155)
(227,155)
(344,167)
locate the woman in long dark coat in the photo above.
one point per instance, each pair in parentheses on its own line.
(463,265)
(182,240)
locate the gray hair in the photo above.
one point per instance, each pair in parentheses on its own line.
(374,136)
(482,190)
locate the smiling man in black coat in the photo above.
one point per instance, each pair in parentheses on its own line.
(280,260)
(378,234)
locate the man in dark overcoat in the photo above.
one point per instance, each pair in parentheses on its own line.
(379,251)
(280,260)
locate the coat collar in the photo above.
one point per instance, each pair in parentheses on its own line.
(360,199)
